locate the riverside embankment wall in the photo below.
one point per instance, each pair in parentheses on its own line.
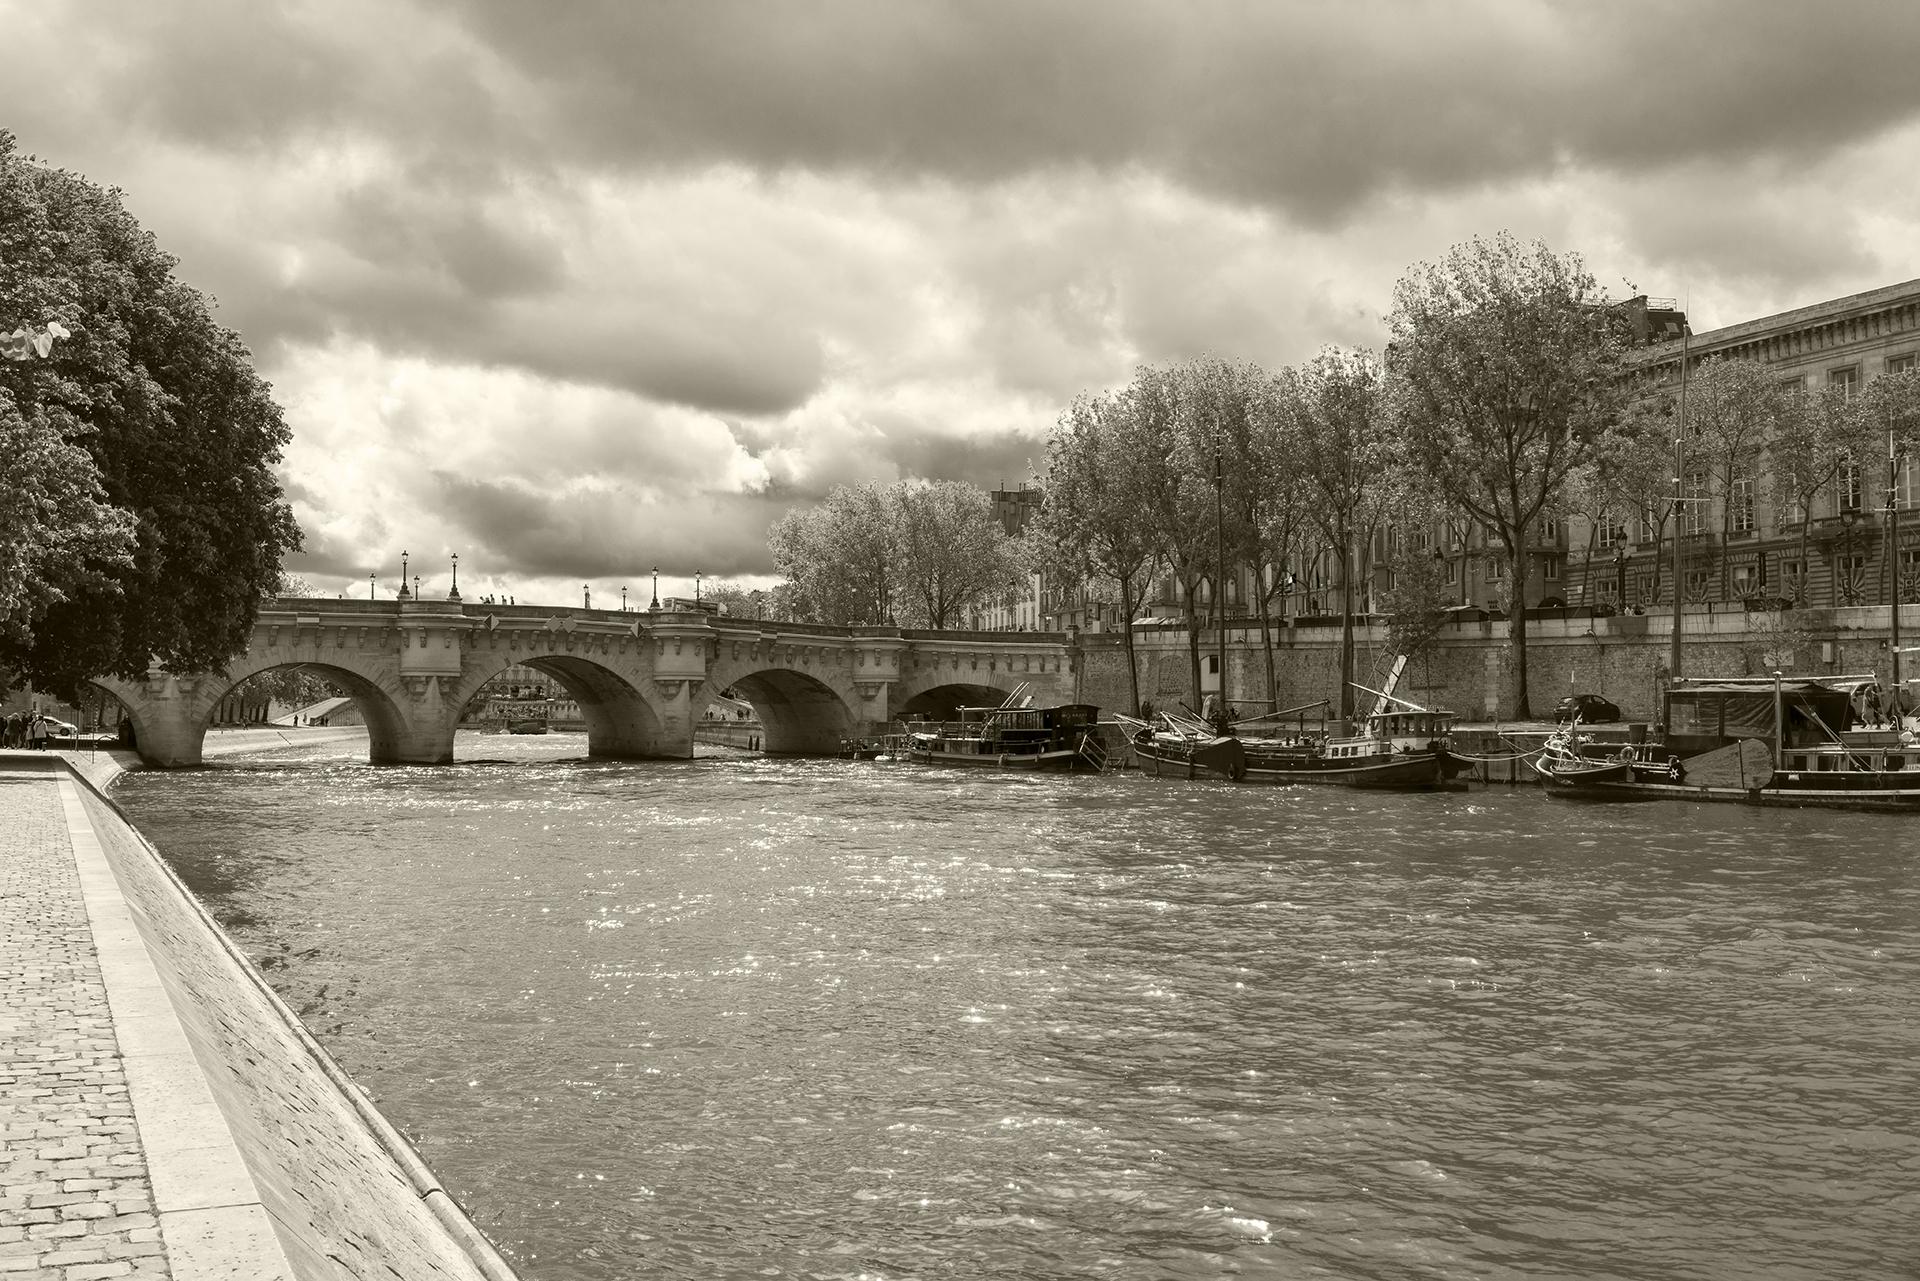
(346,1195)
(1623,658)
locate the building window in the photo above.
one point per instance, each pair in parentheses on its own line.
(1456,534)
(1550,530)
(1905,478)
(1793,384)
(1902,364)
(1496,568)
(1793,578)
(1847,491)
(1649,527)
(1909,576)
(1847,380)
(1693,512)
(1740,505)
(1746,581)
(1613,532)
(1453,571)
(1699,584)
(1554,566)
(1850,578)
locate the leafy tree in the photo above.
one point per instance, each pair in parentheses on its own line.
(953,550)
(1505,360)
(1345,457)
(1177,496)
(1816,433)
(914,551)
(1272,500)
(839,557)
(170,542)
(1733,406)
(1890,410)
(1090,526)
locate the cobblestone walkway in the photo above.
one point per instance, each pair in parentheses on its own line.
(75,1201)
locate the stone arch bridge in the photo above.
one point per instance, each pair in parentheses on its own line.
(642,680)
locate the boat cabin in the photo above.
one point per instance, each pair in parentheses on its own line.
(1705,714)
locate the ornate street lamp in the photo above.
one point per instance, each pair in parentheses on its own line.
(416,587)
(455,593)
(370,587)
(656,588)
(696,587)
(623,600)
(403,576)
(586,596)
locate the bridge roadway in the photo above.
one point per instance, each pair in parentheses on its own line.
(641,679)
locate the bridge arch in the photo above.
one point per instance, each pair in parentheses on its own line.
(622,721)
(801,714)
(170,718)
(943,702)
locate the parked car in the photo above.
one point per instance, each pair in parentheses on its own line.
(1590,708)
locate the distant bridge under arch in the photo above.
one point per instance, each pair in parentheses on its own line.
(641,680)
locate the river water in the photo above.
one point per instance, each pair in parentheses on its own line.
(742,1017)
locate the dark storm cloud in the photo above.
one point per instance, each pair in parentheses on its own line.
(990,460)
(1308,108)
(593,535)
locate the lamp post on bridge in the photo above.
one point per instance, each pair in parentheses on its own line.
(416,587)
(586,596)
(623,600)
(370,587)
(656,588)
(403,577)
(696,587)
(455,593)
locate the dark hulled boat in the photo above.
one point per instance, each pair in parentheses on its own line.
(1066,737)
(1746,740)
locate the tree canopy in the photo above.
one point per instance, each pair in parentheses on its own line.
(143,518)
(1505,360)
(917,553)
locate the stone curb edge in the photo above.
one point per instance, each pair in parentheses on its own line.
(441,1203)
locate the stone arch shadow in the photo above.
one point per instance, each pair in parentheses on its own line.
(943,702)
(801,714)
(622,723)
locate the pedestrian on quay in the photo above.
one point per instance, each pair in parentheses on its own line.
(10,735)
(37,733)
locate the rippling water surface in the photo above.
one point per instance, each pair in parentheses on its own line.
(746,1017)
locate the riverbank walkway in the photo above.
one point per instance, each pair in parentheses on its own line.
(77,1183)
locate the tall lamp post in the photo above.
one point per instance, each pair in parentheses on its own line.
(1225,714)
(696,587)
(455,593)
(656,588)
(371,583)
(586,596)
(403,576)
(623,600)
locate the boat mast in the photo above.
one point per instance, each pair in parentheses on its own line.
(1679,504)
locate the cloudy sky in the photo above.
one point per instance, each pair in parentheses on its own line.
(575,288)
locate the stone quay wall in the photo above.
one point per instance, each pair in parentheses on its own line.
(1623,658)
(347,1195)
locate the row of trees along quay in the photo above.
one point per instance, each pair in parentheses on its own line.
(140,518)
(1511,393)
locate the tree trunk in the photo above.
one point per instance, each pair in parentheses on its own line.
(1266,645)
(1128,606)
(1517,628)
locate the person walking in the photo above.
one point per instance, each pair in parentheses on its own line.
(37,733)
(10,732)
